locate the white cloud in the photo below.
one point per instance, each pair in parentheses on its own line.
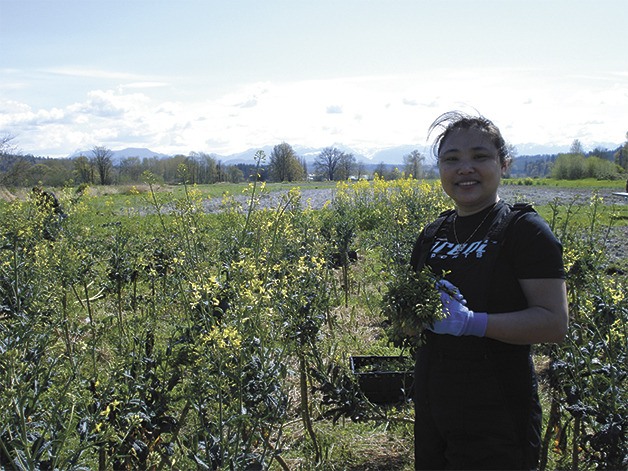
(364,113)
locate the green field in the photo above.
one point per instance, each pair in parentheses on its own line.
(142,332)
(592,183)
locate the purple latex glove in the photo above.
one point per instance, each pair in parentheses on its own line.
(459,320)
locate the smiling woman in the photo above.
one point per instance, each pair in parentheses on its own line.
(472,157)
(504,290)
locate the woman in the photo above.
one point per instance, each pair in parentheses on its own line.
(476,399)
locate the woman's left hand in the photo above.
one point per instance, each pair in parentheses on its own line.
(459,320)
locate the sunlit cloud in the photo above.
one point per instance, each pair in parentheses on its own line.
(365,114)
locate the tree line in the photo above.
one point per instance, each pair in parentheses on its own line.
(283,164)
(98,167)
(599,163)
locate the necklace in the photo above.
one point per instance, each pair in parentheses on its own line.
(474,231)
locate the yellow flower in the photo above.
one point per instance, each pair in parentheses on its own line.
(224,338)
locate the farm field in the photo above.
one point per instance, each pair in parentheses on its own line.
(212,327)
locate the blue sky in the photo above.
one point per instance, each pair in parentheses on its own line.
(226,76)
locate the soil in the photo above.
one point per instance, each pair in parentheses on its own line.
(537,195)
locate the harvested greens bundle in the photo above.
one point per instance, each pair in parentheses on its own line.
(411,303)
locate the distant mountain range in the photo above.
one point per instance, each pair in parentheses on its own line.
(117,155)
(390,156)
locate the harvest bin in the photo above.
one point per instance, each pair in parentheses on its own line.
(384,379)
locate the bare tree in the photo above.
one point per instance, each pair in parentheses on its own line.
(102,163)
(360,170)
(381,171)
(6,148)
(346,164)
(326,163)
(12,168)
(413,163)
(576,148)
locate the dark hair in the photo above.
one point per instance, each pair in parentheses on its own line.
(453,120)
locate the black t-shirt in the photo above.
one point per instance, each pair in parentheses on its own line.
(489,282)
(488,274)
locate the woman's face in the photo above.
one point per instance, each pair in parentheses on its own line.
(470,169)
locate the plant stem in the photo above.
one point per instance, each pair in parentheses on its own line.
(305,412)
(554,417)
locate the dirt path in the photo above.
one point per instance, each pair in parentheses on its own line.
(542,195)
(537,195)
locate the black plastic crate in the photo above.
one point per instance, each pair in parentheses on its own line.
(384,379)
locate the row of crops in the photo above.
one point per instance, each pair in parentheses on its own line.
(155,335)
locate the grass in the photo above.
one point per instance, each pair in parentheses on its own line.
(612,216)
(348,446)
(124,196)
(591,183)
